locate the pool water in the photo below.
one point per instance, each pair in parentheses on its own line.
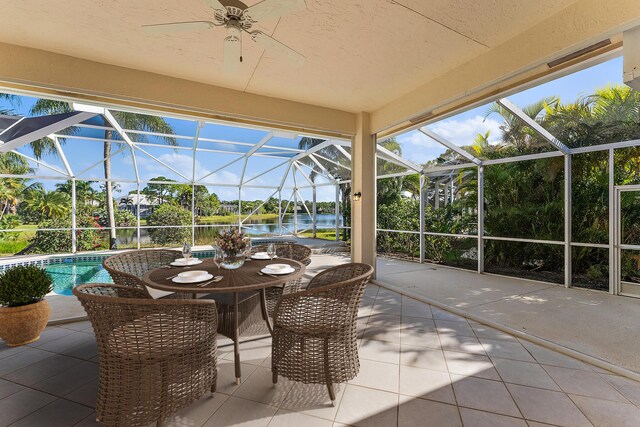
(68,275)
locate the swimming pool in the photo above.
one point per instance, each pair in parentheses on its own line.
(68,275)
(68,272)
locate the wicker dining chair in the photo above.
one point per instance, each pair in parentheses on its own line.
(314,334)
(293,251)
(156,356)
(127,268)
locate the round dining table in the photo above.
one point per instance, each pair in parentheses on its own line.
(247,278)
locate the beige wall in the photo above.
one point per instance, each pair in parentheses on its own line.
(33,69)
(363,179)
(580,25)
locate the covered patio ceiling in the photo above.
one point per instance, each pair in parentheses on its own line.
(399,61)
(351,46)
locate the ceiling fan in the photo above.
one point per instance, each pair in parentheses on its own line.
(236,17)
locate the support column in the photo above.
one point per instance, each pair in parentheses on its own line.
(295,211)
(280,212)
(313,212)
(436,197)
(240,208)
(337,211)
(193,214)
(613,255)
(480,219)
(73,216)
(138,213)
(363,179)
(422,199)
(568,267)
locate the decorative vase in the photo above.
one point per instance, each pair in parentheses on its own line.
(233,261)
(23,324)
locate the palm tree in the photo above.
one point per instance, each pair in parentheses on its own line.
(11,188)
(84,192)
(127,202)
(48,204)
(132,121)
(515,133)
(13,100)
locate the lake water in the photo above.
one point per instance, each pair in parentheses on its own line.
(205,235)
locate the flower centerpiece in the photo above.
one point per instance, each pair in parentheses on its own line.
(232,243)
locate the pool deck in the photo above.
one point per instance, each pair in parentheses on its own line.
(588,322)
(419,366)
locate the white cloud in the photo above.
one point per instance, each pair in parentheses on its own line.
(462,132)
(416,138)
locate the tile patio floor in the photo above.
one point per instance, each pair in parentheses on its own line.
(420,366)
(590,322)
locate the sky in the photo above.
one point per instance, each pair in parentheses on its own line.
(460,129)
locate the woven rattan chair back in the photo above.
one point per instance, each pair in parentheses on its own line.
(289,250)
(156,356)
(293,251)
(315,337)
(127,268)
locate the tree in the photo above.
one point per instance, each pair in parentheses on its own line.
(13,101)
(170,215)
(127,202)
(85,193)
(12,188)
(160,193)
(47,205)
(205,204)
(132,121)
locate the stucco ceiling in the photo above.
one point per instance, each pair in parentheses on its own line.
(361,54)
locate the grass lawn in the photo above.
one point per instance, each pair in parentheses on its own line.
(231,219)
(13,246)
(321,234)
(225,219)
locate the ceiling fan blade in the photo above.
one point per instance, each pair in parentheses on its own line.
(215,4)
(232,54)
(174,27)
(272,45)
(267,9)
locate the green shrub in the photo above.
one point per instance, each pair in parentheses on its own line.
(22,285)
(8,222)
(47,242)
(123,218)
(167,214)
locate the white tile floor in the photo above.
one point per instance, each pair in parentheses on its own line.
(420,366)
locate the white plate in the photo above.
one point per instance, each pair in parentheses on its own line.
(277,267)
(278,272)
(202,278)
(260,256)
(180,262)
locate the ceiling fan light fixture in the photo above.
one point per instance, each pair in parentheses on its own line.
(234,36)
